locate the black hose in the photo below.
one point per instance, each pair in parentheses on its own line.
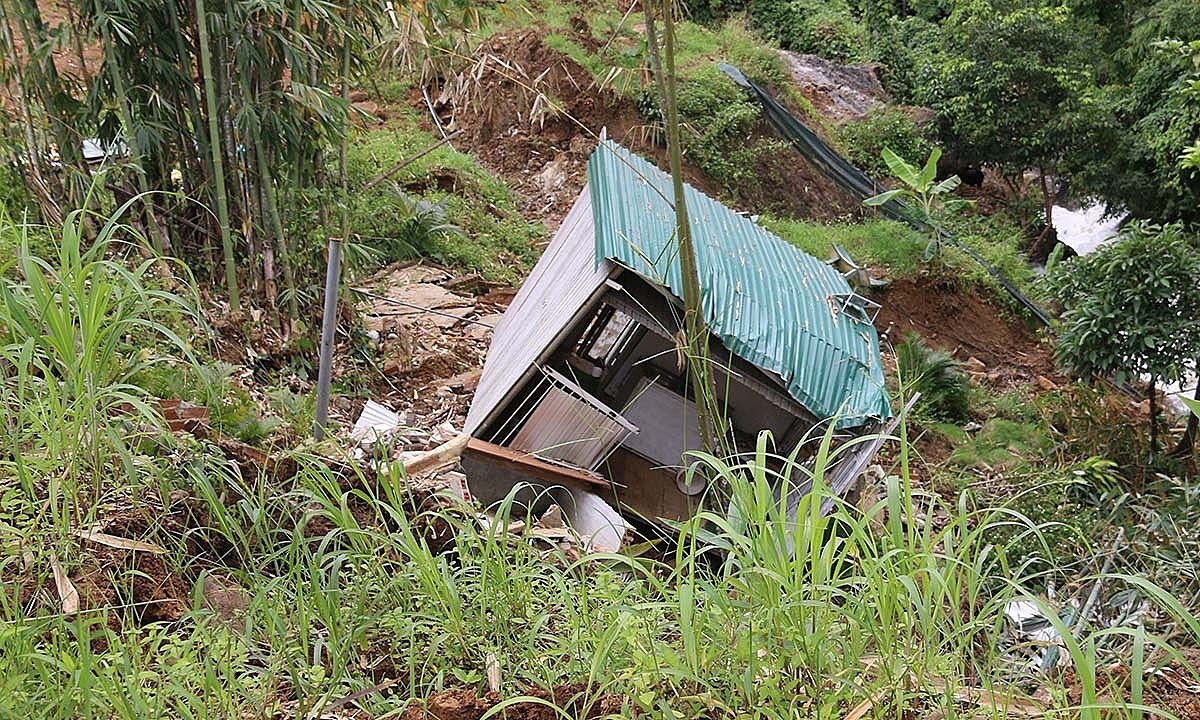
(857,183)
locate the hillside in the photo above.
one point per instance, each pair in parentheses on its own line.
(174,543)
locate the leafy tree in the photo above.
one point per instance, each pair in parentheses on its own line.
(1013,86)
(1132,307)
(1156,99)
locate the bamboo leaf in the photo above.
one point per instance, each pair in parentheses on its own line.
(67,594)
(120,543)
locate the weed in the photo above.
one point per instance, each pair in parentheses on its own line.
(944,387)
(1002,444)
(887,247)
(67,340)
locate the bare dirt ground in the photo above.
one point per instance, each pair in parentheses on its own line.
(990,340)
(533,116)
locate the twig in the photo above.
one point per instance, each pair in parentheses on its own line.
(1095,594)
(408,161)
(433,113)
(394,301)
(320,710)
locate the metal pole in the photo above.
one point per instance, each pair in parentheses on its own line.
(333,272)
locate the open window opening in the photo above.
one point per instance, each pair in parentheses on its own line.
(605,341)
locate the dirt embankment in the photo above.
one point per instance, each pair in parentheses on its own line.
(533,115)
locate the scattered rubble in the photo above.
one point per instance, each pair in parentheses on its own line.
(428,341)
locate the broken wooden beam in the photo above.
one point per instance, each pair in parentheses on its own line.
(532,466)
(443,454)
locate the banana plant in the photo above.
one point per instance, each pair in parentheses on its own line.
(922,193)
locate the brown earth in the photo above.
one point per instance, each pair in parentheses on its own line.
(998,346)
(575,701)
(533,115)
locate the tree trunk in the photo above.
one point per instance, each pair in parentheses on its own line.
(1048,237)
(1187,442)
(1153,417)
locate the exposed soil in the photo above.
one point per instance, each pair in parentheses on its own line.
(996,346)
(533,116)
(576,701)
(841,93)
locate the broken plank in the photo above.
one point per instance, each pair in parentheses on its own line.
(443,454)
(531,465)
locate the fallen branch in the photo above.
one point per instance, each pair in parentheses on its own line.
(409,161)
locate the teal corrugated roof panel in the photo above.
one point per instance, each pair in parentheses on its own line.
(771,303)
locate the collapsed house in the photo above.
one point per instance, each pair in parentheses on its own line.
(584,390)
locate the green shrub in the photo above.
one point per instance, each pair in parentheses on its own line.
(1004,444)
(889,127)
(945,389)
(707,11)
(828,29)
(719,120)
(444,207)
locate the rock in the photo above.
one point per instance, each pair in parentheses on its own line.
(843,93)
(974,365)
(553,176)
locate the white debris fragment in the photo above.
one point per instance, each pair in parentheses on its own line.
(375,424)
(600,528)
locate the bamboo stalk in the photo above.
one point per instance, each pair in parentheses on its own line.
(43,82)
(135,154)
(32,160)
(695,327)
(267,184)
(231,281)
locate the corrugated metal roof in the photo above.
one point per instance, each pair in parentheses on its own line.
(560,284)
(771,303)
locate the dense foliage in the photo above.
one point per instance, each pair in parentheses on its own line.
(1131,306)
(1099,95)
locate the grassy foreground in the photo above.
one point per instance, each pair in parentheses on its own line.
(306,582)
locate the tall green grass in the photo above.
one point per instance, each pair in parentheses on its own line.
(761,615)
(351,583)
(75,328)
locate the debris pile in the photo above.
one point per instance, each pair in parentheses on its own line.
(428,340)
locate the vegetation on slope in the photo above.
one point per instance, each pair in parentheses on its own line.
(151,574)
